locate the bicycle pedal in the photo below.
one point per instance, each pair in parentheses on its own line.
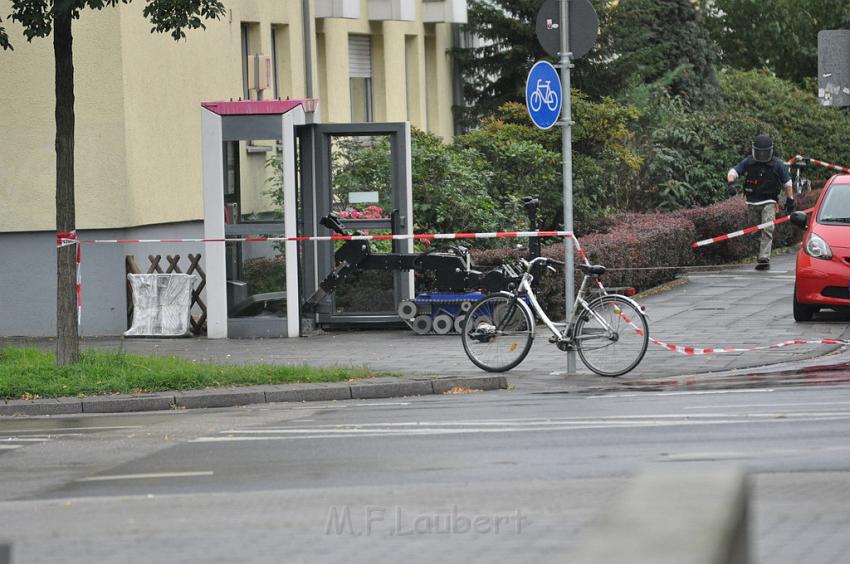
(565,346)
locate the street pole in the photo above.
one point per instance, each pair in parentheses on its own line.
(567,172)
(308,48)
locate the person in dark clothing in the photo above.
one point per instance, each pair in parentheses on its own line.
(765,176)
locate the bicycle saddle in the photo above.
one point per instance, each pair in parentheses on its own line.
(594,269)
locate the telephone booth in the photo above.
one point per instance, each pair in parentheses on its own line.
(270,169)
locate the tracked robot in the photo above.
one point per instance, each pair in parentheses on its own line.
(457,284)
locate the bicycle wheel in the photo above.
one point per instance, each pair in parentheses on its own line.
(611,335)
(497,333)
(536,101)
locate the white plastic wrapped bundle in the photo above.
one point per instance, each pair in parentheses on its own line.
(161,304)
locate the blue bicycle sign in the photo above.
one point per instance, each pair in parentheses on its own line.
(543,95)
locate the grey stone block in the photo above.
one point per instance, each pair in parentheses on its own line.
(219,398)
(443,385)
(392,389)
(317,392)
(687,514)
(125,403)
(53,406)
(5,553)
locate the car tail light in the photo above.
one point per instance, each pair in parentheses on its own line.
(816,247)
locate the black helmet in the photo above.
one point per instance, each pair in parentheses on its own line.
(763,148)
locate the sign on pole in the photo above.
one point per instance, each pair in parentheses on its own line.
(543,95)
(584,27)
(834,67)
(566,29)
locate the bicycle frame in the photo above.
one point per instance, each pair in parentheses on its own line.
(525,288)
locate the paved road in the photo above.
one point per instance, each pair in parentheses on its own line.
(377,481)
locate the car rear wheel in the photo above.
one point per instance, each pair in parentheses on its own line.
(803,312)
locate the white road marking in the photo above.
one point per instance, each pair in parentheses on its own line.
(10,447)
(341,405)
(757,453)
(601,420)
(63,429)
(150,476)
(795,404)
(26,439)
(640,421)
(691,393)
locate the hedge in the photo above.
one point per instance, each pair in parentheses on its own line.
(643,250)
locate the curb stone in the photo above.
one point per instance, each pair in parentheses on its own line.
(127,403)
(220,398)
(307,392)
(388,390)
(231,397)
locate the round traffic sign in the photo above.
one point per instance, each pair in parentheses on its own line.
(543,94)
(584,27)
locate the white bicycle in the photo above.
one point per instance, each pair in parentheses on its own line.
(609,332)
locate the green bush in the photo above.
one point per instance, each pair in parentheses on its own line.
(451,189)
(526,161)
(797,121)
(264,274)
(687,152)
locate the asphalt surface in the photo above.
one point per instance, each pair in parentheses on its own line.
(368,481)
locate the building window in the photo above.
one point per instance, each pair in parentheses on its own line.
(413,82)
(431,94)
(360,77)
(250,46)
(281,62)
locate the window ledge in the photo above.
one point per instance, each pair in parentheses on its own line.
(392,10)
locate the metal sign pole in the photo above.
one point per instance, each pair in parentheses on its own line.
(567,172)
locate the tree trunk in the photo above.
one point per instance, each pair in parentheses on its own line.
(67,337)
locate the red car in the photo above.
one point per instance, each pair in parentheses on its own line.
(823,263)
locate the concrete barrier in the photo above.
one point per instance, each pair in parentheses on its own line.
(677,514)
(5,553)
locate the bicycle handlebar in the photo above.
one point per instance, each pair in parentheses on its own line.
(543,260)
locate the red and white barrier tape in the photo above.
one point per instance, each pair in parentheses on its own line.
(824,164)
(746,231)
(403,237)
(66,239)
(695,351)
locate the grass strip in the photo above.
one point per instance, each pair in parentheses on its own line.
(30,373)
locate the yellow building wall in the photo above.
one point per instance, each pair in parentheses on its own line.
(27,157)
(138,95)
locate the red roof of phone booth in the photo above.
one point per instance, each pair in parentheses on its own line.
(257,107)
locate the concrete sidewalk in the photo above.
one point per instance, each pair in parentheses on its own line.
(738,308)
